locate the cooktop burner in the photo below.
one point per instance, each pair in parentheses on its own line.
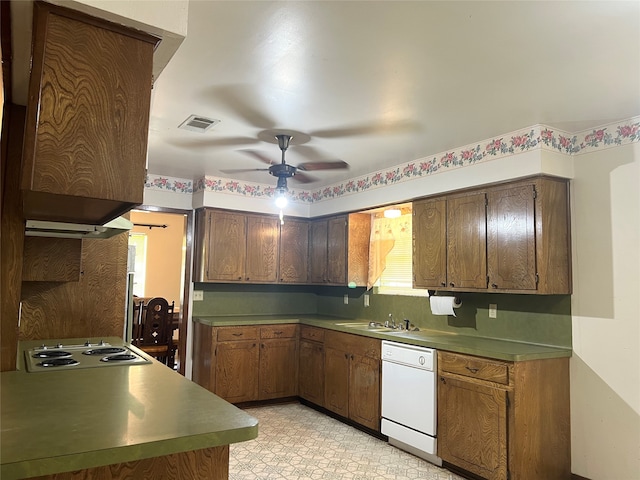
(104,351)
(123,357)
(51,354)
(46,358)
(58,362)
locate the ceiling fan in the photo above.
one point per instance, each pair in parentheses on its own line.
(282,171)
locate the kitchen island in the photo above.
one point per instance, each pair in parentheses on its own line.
(123,421)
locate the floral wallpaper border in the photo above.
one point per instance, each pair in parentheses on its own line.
(528,139)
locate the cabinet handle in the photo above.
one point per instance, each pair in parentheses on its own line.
(442,379)
(443,284)
(351,357)
(451,284)
(493,285)
(346,355)
(237,334)
(472,370)
(239,278)
(277,333)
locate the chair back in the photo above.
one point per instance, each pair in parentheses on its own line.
(155,323)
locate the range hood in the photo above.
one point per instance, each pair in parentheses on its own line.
(38,228)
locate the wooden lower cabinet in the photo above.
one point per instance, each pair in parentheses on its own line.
(311,365)
(352,369)
(247,363)
(504,420)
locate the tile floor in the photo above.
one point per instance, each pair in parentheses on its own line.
(296,442)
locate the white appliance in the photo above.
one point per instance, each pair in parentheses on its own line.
(409,399)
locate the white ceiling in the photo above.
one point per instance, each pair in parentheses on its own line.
(380,83)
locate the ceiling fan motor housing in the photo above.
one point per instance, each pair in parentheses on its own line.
(282,170)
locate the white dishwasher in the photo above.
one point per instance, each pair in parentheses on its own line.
(409,398)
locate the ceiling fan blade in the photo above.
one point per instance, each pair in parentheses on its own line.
(302,178)
(367,129)
(312,166)
(243,170)
(257,155)
(238,98)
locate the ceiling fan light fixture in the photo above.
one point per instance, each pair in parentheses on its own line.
(281,193)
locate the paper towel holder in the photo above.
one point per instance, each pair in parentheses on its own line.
(456,299)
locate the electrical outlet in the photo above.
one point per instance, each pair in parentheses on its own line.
(366,300)
(493,310)
(346,299)
(198,295)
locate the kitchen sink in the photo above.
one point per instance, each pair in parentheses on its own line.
(371,327)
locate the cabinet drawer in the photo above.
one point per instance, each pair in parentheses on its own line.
(474,367)
(312,333)
(229,334)
(279,331)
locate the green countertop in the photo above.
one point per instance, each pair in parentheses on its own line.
(69,420)
(483,347)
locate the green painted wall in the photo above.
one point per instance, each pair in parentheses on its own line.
(544,319)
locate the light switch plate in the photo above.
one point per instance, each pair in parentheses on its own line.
(366,300)
(346,299)
(493,310)
(198,295)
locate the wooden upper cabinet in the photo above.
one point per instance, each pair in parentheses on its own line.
(236,247)
(87,119)
(294,251)
(430,243)
(339,249)
(511,238)
(262,249)
(318,251)
(226,246)
(467,241)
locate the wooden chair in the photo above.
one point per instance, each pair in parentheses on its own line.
(152,332)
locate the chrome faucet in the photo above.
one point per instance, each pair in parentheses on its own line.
(391,322)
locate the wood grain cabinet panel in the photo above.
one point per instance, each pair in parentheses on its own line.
(294,251)
(467,241)
(430,243)
(278,372)
(318,252)
(87,117)
(236,365)
(311,364)
(262,249)
(504,420)
(352,377)
(51,259)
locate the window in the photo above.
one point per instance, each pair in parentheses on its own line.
(391,249)
(139,242)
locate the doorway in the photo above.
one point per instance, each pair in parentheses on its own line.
(163,264)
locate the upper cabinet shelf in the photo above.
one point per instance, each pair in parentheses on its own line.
(87,119)
(510,238)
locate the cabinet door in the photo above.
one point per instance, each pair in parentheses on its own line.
(430,243)
(467,241)
(278,368)
(227,246)
(237,371)
(364,391)
(87,118)
(318,251)
(262,249)
(294,251)
(511,238)
(336,381)
(472,427)
(337,250)
(311,376)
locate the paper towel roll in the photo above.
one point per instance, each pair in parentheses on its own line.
(443,305)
